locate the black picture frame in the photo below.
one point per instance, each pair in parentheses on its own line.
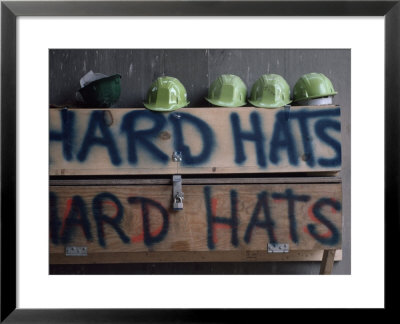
(10,10)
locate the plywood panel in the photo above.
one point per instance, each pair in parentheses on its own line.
(212,141)
(215,218)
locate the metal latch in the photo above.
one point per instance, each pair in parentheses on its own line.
(177,194)
(76,251)
(278,247)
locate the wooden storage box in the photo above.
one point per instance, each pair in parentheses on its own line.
(222,219)
(102,199)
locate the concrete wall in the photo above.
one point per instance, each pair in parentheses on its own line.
(196,69)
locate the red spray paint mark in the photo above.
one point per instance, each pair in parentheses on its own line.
(66,213)
(65,216)
(311,214)
(217,226)
(214,202)
(333,209)
(313,218)
(140,237)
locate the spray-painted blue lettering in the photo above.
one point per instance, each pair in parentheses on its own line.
(291,199)
(320,129)
(335,234)
(100,218)
(149,238)
(281,146)
(321,125)
(77,215)
(256,135)
(282,139)
(205,131)
(98,121)
(55,223)
(306,138)
(268,223)
(212,219)
(66,135)
(143,137)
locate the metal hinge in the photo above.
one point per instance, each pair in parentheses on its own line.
(76,251)
(278,247)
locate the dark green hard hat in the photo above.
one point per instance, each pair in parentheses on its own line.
(312,86)
(102,93)
(228,90)
(270,91)
(166,94)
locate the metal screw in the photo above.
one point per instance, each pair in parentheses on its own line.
(177,156)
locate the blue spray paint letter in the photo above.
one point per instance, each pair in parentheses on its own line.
(212,219)
(282,138)
(334,237)
(77,215)
(97,120)
(205,131)
(149,238)
(291,199)
(66,134)
(256,136)
(320,129)
(55,223)
(306,138)
(142,137)
(268,223)
(101,218)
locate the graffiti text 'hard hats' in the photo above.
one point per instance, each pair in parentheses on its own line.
(270,91)
(227,90)
(102,93)
(312,86)
(166,94)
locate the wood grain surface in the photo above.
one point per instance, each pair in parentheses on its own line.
(239,219)
(211,140)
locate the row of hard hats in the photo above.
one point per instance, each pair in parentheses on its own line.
(228,90)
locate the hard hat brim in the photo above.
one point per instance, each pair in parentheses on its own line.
(262,105)
(226,104)
(315,97)
(166,109)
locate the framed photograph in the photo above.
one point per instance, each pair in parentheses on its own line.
(161,101)
(84,145)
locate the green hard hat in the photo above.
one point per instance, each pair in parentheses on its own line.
(102,93)
(166,94)
(312,86)
(227,90)
(270,91)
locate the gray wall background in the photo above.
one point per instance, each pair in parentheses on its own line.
(197,69)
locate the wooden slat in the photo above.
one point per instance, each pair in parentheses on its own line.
(263,214)
(212,140)
(193,256)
